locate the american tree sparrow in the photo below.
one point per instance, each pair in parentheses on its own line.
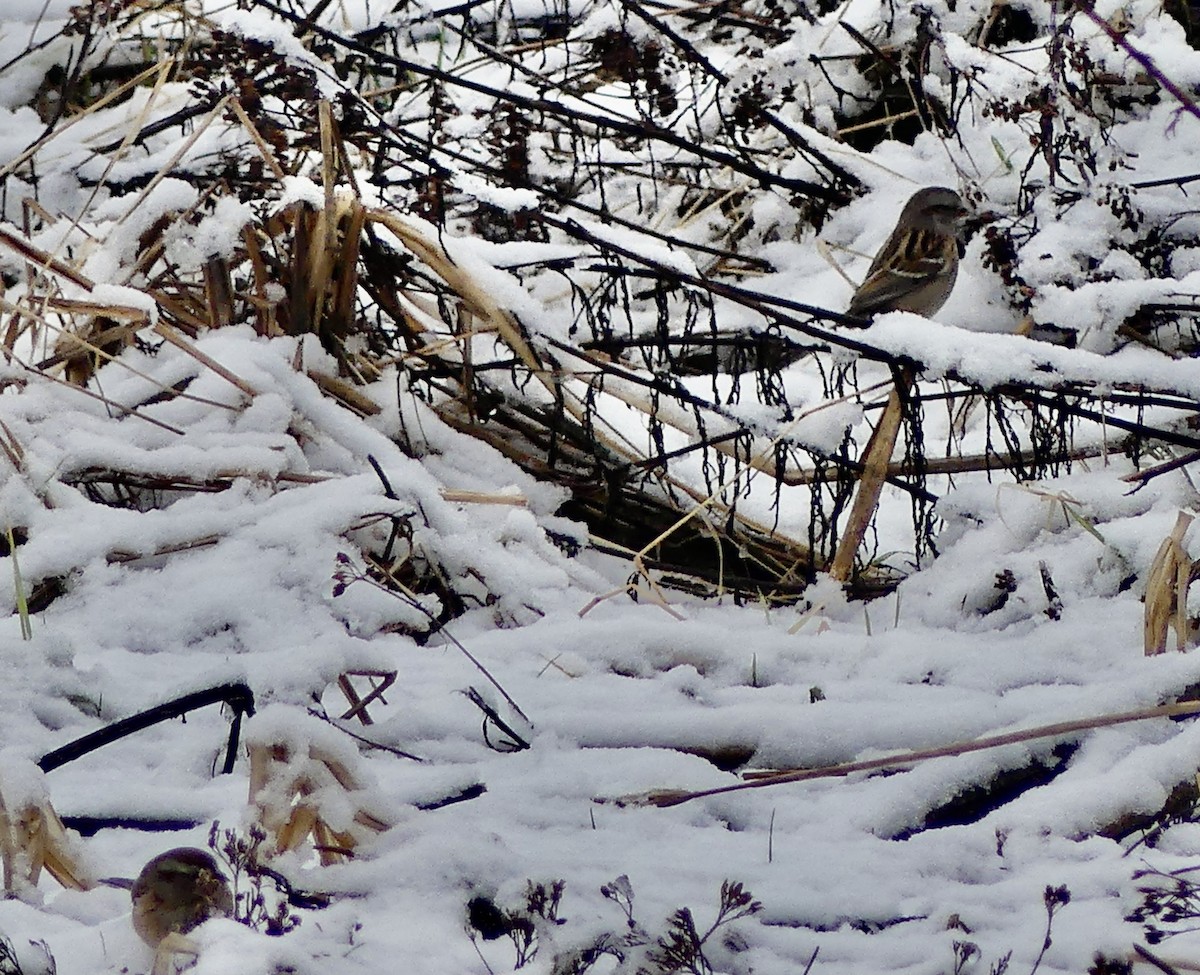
(175,892)
(915,270)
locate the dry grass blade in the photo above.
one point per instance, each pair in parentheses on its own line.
(345,393)
(20,159)
(268,156)
(432,253)
(172,164)
(44,260)
(478,497)
(12,447)
(219,292)
(131,131)
(177,340)
(22,599)
(93,347)
(119,408)
(121,556)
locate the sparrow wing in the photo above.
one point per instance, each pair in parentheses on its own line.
(908,262)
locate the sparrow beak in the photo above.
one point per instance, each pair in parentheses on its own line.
(971,222)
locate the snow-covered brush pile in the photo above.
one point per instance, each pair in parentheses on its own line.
(658,335)
(367,362)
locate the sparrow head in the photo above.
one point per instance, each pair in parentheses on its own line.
(934,208)
(177,891)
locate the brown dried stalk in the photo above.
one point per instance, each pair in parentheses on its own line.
(663,798)
(1171,573)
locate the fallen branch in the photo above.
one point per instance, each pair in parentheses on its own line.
(238,696)
(662,798)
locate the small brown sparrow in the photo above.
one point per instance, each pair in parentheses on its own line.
(175,892)
(915,270)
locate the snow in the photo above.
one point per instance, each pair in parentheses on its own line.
(247,565)
(628,686)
